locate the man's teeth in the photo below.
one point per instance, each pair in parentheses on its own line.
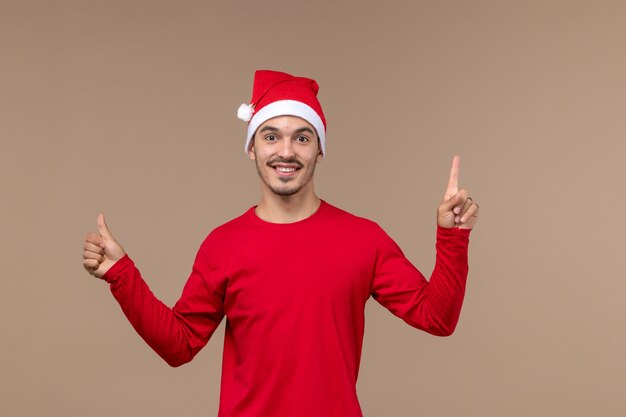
(285,169)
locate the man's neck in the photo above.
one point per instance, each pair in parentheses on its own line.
(287,209)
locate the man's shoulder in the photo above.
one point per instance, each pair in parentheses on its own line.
(238,223)
(228,231)
(345,217)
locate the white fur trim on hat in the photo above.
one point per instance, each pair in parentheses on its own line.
(287,108)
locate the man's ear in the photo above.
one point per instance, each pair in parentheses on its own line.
(251,154)
(320,154)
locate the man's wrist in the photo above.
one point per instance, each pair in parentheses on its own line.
(114,271)
(446,233)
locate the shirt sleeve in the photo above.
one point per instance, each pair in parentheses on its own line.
(176,334)
(432,305)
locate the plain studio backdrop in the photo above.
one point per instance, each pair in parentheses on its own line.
(129,108)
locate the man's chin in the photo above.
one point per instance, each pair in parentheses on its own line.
(284,192)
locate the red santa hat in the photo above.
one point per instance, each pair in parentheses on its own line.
(280,94)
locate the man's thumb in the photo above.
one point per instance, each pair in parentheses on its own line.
(103,229)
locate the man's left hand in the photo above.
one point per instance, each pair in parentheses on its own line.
(457,209)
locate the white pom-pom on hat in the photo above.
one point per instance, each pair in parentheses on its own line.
(244,112)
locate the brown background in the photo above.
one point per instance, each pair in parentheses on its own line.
(128,107)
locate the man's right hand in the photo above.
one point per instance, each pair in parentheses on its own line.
(100,250)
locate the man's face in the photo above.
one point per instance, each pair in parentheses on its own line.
(285,150)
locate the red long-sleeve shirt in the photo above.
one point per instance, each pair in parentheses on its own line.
(294,298)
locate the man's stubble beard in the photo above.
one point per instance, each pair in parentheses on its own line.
(285,192)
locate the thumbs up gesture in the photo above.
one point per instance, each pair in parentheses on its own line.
(101,250)
(457,209)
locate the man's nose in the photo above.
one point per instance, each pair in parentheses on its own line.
(286,149)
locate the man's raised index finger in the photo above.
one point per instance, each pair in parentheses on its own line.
(453,181)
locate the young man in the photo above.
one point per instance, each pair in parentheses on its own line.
(292,274)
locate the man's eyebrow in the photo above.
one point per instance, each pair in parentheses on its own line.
(268,128)
(305,129)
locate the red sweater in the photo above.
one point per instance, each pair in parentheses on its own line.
(294,298)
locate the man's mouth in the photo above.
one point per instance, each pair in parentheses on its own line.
(285,169)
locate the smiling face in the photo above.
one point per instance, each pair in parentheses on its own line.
(286,150)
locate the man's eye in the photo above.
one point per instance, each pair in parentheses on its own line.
(270,137)
(302,139)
